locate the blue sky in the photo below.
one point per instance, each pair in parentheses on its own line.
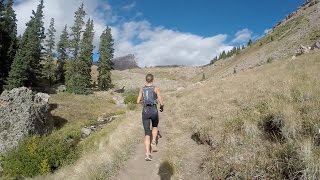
(163,32)
(210,17)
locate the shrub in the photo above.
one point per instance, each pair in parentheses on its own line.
(269,60)
(272,125)
(203,77)
(40,155)
(130,96)
(314,35)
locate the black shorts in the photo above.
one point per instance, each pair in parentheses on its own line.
(149,116)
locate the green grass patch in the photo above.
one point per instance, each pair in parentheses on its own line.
(130,98)
(287,28)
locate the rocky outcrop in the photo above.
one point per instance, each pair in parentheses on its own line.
(22,113)
(125,62)
(302,50)
(101,122)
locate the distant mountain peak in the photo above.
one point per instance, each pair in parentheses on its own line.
(125,62)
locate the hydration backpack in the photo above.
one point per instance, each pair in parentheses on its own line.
(149,96)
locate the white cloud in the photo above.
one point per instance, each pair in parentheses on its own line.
(151,45)
(63,13)
(242,36)
(161,46)
(129,6)
(266,31)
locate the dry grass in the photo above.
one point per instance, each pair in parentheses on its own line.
(134,79)
(78,110)
(231,115)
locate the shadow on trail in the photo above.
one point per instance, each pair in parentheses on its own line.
(165,171)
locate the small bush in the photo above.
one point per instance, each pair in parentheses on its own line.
(40,155)
(269,60)
(315,35)
(203,77)
(272,125)
(130,96)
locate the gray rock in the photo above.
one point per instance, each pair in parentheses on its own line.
(61,88)
(85,132)
(301,50)
(22,113)
(105,120)
(44,97)
(316,45)
(101,119)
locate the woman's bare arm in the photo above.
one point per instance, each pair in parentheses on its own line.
(159,96)
(139,96)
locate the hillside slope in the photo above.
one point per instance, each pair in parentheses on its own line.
(259,123)
(299,28)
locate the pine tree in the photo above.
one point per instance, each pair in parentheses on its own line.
(62,55)
(86,53)
(105,60)
(238,49)
(223,55)
(76,31)
(49,67)
(8,37)
(26,68)
(2,59)
(76,82)
(249,43)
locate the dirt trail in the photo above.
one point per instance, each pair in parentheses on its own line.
(137,168)
(174,139)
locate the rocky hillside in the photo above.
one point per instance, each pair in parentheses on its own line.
(301,27)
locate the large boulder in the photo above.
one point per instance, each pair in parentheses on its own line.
(22,113)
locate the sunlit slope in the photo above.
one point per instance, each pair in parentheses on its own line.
(300,28)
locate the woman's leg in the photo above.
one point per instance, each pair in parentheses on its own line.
(147,144)
(154,133)
(155,122)
(147,131)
